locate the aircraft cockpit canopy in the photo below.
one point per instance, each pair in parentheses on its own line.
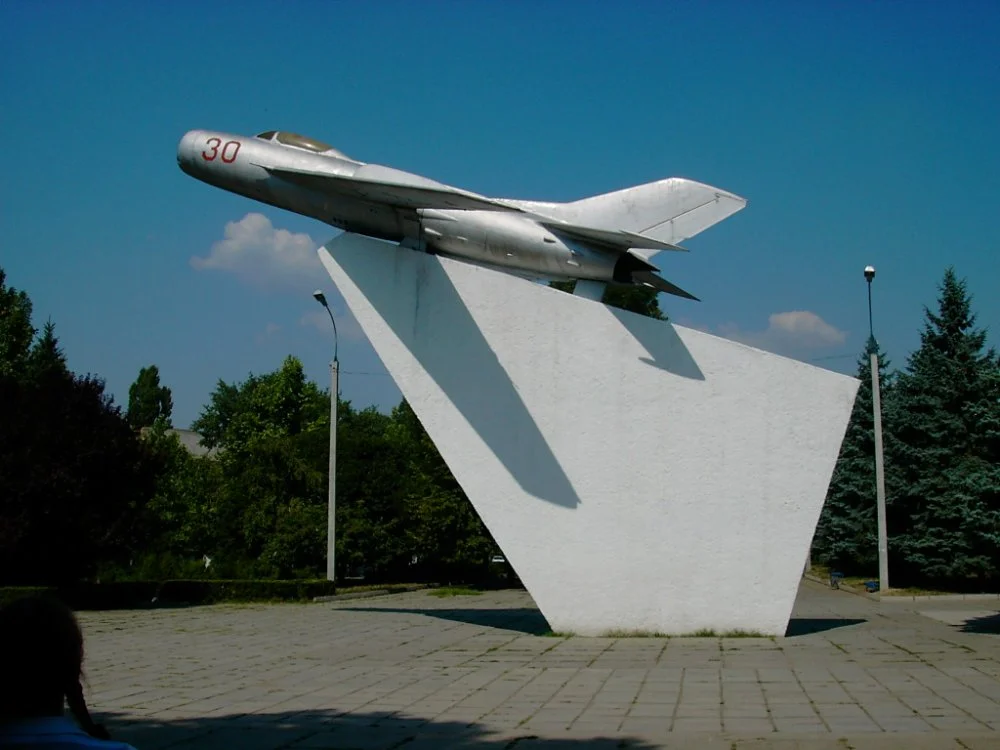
(300,141)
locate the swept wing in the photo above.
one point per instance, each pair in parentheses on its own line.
(391,187)
(617,239)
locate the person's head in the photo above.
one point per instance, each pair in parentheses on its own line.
(41,657)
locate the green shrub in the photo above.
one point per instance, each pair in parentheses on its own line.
(9,594)
(213,591)
(134,594)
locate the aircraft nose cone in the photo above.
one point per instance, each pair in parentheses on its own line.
(187,150)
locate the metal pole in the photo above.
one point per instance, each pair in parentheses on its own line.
(871,330)
(883,541)
(331,517)
(331,510)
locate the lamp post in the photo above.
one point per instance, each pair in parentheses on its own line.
(883,544)
(331,513)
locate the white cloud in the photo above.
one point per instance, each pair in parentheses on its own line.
(256,252)
(788,333)
(270,330)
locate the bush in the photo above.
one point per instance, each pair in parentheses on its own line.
(9,594)
(213,592)
(134,594)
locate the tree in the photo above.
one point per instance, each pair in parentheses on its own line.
(16,331)
(73,477)
(638,299)
(182,521)
(846,536)
(148,401)
(270,506)
(46,358)
(944,514)
(444,532)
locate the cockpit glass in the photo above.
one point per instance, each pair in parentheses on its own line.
(266,136)
(293,139)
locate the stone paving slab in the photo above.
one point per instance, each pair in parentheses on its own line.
(412,670)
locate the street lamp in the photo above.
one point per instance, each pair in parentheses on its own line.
(331,513)
(883,545)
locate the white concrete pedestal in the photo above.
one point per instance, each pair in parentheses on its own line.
(639,476)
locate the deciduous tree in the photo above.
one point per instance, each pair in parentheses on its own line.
(148,401)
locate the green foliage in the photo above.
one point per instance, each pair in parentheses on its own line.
(945,509)
(128,594)
(16,331)
(446,592)
(264,498)
(216,591)
(941,432)
(74,478)
(148,401)
(183,519)
(637,299)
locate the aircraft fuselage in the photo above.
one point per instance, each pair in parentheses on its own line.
(508,241)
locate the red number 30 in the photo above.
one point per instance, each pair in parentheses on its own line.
(229,150)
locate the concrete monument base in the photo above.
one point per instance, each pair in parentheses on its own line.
(639,476)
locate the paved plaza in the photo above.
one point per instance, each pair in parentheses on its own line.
(416,671)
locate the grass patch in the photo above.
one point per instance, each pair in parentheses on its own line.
(392,588)
(703,633)
(557,634)
(708,633)
(634,634)
(446,591)
(913,591)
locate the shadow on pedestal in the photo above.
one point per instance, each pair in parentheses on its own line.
(658,337)
(448,344)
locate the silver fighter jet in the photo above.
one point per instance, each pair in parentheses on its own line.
(604,239)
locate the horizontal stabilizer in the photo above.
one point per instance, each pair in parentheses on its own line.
(618,239)
(669,211)
(650,279)
(424,194)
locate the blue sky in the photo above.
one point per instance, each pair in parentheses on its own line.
(859,132)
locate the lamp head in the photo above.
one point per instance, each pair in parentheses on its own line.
(869,273)
(320,297)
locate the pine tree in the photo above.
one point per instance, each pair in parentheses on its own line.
(148,401)
(944,510)
(846,536)
(46,357)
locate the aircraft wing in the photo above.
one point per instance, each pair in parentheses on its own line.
(660,284)
(616,238)
(377,185)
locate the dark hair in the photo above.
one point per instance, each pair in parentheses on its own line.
(41,657)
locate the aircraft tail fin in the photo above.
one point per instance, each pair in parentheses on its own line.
(670,210)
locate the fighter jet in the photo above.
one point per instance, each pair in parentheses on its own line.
(600,240)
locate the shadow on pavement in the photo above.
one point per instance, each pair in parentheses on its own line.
(990,624)
(528,621)
(329,729)
(807,625)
